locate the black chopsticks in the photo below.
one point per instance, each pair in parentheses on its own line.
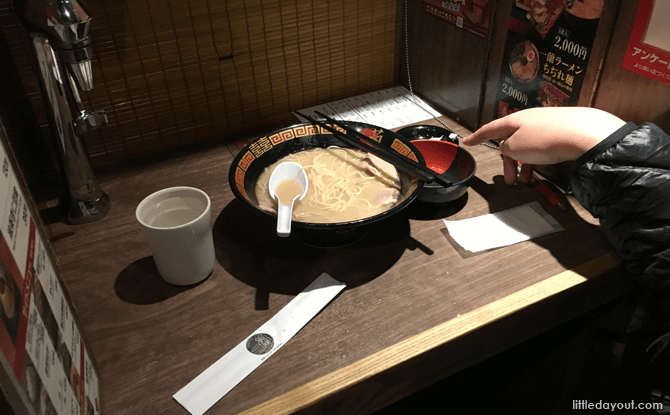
(364,143)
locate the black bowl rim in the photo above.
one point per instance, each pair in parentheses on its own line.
(333,225)
(419,127)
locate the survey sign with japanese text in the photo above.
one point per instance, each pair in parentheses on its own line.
(648,51)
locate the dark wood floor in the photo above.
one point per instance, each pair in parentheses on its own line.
(597,357)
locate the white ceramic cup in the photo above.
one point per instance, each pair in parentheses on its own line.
(177,222)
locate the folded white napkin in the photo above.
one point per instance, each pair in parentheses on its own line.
(502,228)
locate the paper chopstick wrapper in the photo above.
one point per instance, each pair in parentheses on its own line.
(508,227)
(217,380)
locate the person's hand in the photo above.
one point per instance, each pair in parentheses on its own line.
(545,136)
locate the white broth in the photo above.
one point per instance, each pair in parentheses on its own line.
(344,185)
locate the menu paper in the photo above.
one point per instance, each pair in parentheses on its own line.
(508,227)
(220,378)
(388,108)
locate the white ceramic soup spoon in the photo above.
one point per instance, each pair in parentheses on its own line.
(288,182)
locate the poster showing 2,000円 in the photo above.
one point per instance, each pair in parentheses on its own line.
(546,53)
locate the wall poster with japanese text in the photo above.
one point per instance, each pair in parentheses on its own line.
(42,351)
(547,49)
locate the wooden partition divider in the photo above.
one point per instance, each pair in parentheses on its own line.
(169,73)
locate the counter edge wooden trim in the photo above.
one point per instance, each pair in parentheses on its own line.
(356,372)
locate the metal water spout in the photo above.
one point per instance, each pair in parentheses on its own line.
(59,34)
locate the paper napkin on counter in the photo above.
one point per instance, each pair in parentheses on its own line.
(508,227)
(222,376)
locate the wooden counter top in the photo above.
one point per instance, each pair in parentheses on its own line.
(415,310)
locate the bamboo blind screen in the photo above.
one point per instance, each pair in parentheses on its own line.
(171,72)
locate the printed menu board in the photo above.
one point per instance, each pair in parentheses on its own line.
(547,49)
(41,346)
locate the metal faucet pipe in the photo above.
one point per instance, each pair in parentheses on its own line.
(59,33)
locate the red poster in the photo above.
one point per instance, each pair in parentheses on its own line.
(471,15)
(11,282)
(14,303)
(642,57)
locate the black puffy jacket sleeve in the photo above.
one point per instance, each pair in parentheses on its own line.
(624,181)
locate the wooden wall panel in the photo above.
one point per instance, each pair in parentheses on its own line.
(447,64)
(169,73)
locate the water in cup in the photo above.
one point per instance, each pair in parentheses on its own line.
(175,211)
(175,217)
(177,223)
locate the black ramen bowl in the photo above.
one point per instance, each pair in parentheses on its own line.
(252,160)
(453,162)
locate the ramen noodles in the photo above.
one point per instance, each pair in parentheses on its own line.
(344,185)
